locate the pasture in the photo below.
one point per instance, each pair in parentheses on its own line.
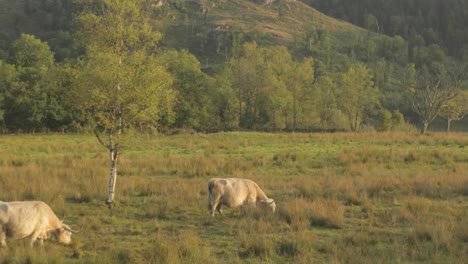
(341,198)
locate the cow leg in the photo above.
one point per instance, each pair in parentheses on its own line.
(214,204)
(210,205)
(219,209)
(32,242)
(33,239)
(211,208)
(3,240)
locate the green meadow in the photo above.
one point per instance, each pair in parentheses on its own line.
(341,197)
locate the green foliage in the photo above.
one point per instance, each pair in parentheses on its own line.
(323,102)
(289,80)
(250,77)
(30,52)
(455,108)
(121,85)
(49,21)
(30,97)
(356,95)
(195,93)
(393,49)
(270,87)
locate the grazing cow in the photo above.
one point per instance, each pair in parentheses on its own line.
(33,219)
(235,192)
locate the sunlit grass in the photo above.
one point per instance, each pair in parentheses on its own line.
(344,198)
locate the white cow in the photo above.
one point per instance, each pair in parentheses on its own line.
(33,219)
(235,192)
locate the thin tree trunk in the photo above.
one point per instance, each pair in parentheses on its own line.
(294,110)
(240,108)
(113,156)
(286,119)
(449,121)
(424,130)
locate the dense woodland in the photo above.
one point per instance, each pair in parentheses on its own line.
(420,22)
(85,66)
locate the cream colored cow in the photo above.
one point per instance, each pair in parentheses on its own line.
(235,192)
(32,219)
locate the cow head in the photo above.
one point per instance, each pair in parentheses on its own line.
(270,203)
(63,234)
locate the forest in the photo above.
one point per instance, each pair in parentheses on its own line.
(106,66)
(427,22)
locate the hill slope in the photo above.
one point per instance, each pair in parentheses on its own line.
(202,26)
(209,29)
(281,20)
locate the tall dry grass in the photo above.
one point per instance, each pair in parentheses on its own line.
(341,198)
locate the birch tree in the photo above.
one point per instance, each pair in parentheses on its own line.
(121,87)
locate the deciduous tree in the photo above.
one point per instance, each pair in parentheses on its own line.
(194,94)
(250,77)
(357,94)
(25,89)
(325,102)
(122,87)
(455,108)
(430,92)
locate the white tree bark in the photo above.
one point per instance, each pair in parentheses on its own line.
(113,156)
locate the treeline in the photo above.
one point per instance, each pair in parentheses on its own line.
(371,82)
(263,88)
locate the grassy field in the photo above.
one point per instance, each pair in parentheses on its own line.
(341,198)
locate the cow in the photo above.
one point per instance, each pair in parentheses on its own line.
(33,219)
(235,192)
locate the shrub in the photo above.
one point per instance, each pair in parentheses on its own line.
(288,248)
(297,212)
(327,213)
(255,246)
(301,213)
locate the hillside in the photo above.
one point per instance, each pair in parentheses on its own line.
(281,20)
(206,28)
